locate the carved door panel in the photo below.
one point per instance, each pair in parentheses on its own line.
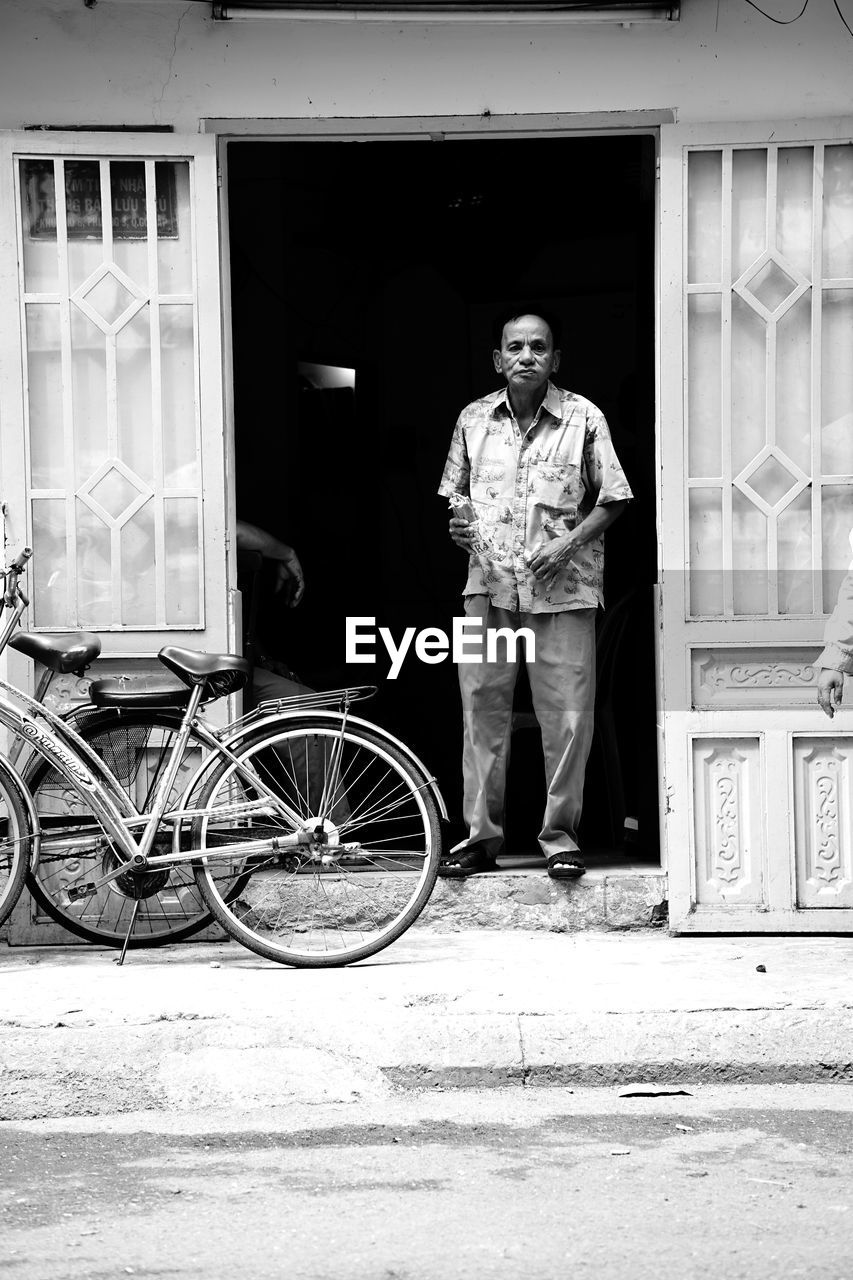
(756,512)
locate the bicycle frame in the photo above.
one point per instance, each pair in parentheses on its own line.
(104,793)
(225,747)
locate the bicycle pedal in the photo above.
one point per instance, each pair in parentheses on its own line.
(78,891)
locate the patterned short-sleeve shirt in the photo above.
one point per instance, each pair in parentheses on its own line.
(526,489)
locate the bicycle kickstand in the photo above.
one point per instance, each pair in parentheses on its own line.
(133,915)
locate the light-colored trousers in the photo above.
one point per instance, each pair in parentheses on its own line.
(562,681)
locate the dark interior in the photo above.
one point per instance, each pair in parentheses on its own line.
(391,259)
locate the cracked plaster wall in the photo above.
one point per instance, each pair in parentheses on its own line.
(165,62)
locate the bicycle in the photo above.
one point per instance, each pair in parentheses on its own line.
(311,835)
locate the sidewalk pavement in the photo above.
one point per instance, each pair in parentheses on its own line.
(210,1025)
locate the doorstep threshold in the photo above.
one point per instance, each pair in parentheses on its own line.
(598,864)
(615,893)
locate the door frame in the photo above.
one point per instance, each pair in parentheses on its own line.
(438,129)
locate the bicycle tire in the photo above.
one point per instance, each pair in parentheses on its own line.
(269,912)
(126,740)
(16,839)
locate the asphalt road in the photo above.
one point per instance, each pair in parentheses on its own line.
(753,1182)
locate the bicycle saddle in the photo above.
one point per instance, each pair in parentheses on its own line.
(222,673)
(68,651)
(142,692)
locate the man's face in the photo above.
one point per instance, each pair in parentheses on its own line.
(527,357)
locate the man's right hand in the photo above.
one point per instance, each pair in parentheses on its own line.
(463,532)
(289,579)
(830,685)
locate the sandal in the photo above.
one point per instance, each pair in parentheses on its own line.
(565,866)
(467,862)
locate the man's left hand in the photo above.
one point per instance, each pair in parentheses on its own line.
(550,557)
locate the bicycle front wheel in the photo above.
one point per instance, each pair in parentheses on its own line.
(15,844)
(135,745)
(369,851)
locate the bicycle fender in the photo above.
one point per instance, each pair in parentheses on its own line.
(338,717)
(26,798)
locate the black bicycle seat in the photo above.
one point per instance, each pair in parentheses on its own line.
(222,673)
(63,652)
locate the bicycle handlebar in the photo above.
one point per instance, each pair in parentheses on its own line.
(21,559)
(12,595)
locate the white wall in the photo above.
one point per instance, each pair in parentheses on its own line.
(144,62)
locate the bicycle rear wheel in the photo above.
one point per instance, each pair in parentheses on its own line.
(371,851)
(15,844)
(135,745)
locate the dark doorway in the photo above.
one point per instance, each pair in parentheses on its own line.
(365,278)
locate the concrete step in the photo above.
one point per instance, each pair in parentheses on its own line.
(615,893)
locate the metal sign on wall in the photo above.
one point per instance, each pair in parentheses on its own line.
(83,209)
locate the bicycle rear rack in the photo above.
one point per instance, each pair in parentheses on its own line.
(339,699)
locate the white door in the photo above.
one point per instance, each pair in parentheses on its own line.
(756,508)
(112,401)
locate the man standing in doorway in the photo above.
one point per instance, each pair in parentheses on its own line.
(538,468)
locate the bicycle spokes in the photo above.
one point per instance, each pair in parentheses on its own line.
(368,861)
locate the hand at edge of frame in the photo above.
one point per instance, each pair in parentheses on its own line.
(830,687)
(290,579)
